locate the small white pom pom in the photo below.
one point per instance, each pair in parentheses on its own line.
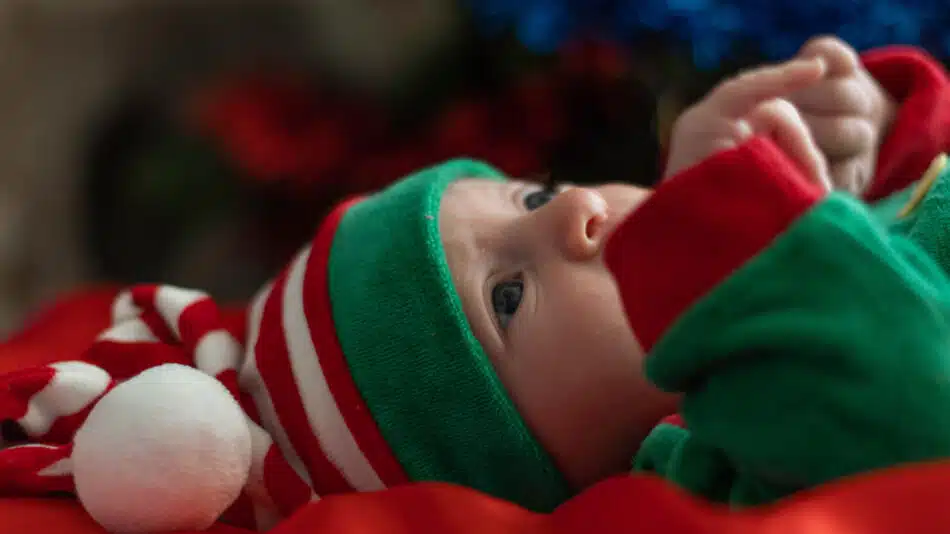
(167,450)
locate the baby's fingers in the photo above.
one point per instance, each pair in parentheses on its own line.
(739,96)
(841,136)
(834,96)
(780,120)
(841,59)
(851,175)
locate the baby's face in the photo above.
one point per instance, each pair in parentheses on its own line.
(529,268)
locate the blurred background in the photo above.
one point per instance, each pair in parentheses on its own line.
(199,142)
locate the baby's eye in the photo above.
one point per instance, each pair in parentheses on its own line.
(536,199)
(505,299)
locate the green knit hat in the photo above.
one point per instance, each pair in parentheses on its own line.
(424,377)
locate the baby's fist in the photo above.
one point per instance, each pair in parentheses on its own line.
(847,112)
(752,104)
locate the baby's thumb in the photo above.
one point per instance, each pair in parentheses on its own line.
(780,120)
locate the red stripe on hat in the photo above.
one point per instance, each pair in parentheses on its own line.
(125,359)
(144,297)
(316,302)
(157,325)
(20,467)
(64,428)
(196,320)
(283,484)
(274,366)
(19,387)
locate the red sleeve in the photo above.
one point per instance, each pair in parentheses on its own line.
(724,210)
(921,129)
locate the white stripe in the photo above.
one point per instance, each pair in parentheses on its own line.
(129,331)
(262,504)
(61,467)
(324,415)
(250,382)
(260,444)
(217,351)
(171,301)
(123,308)
(266,512)
(35,446)
(73,387)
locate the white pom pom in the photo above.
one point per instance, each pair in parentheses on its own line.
(167,450)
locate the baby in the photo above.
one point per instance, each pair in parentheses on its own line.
(528,341)
(528,262)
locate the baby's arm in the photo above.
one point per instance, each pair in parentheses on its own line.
(807,342)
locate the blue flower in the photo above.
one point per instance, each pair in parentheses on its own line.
(712,29)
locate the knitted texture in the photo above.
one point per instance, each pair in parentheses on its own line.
(927,221)
(424,376)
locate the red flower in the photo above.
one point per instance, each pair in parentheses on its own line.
(274,129)
(462,127)
(536,100)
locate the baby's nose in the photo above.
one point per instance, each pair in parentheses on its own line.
(579,218)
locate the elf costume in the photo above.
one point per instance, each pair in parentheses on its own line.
(811,339)
(329,413)
(803,342)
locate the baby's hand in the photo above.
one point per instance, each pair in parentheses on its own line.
(752,104)
(847,111)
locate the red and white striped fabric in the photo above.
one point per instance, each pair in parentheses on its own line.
(151,325)
(312,432)
(301,386)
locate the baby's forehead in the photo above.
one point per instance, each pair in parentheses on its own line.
(466,203)
(470,211)
(471,199)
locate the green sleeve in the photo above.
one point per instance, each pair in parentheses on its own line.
(824,353)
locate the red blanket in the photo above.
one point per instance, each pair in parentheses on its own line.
(911,500)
